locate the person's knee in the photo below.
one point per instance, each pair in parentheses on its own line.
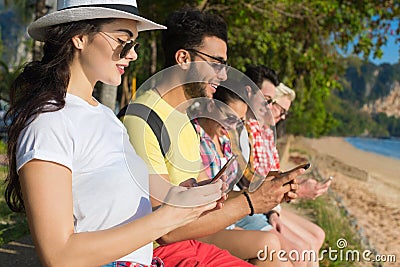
(319,235)
(316,236)
(270,240)
(303,244)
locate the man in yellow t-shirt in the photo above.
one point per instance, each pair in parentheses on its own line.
(182,161)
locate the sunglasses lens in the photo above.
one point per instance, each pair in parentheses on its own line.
(283,113)
(218,67)
(127,47)
(267,102)
(232,120)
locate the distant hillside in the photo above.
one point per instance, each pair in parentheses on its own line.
(369,103)
(365,82)
(390,104)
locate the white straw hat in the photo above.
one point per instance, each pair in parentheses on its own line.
(76,10)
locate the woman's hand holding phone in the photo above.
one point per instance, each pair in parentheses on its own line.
(195,195)
(221,172)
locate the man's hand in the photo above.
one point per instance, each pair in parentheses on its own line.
(274,190)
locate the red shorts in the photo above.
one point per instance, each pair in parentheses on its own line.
(194,253)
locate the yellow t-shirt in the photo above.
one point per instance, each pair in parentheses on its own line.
(182,160)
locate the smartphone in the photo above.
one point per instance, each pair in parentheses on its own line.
(223,169)
(301,166)
(280,174)
(330,178)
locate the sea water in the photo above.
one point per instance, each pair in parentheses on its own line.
(388,147)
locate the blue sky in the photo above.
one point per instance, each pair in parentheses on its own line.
(390,52)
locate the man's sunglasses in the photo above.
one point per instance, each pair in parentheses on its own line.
(282,110)
(268,100)
(126,45)
(218,67)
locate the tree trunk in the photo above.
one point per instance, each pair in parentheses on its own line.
(108,95)
(126,95)
(41,9)
(153,46)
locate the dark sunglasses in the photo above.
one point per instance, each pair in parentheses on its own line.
(126,45)
(218,67)
(282,110)
(268,100)
(232,119)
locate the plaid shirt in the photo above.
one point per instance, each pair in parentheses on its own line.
(155,262)
(209,155)
(264,153)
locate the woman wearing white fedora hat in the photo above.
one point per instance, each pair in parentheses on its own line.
(85,192)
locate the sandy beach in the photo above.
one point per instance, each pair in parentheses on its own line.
(367,183)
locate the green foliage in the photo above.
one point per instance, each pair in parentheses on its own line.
(7,76)
(1,43)
(3,148)
(390,124)
(298,39)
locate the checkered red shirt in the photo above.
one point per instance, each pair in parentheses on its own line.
(264,153)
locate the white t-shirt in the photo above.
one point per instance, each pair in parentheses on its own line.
(244,143)
(109,180)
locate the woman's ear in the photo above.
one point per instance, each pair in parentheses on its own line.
(78,41)
(182,58)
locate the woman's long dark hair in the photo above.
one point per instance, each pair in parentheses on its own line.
(40,88)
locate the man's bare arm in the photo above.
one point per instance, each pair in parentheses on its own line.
(267,196)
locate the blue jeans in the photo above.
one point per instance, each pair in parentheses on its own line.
(255,222)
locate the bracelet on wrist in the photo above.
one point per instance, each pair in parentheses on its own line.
(249,202)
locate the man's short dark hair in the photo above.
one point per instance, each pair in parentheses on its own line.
(226,95)
(186,28)
(260,73)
